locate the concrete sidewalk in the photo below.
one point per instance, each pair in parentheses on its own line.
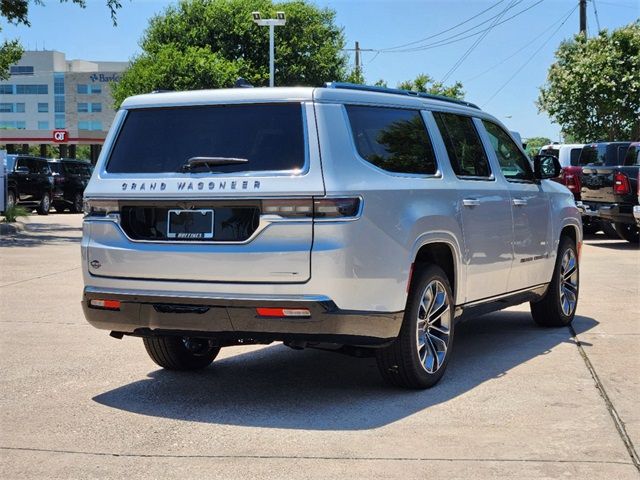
(517,401)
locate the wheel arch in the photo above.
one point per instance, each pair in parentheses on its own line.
(445,253)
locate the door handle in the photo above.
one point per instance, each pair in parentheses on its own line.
(471,202)
(519,202)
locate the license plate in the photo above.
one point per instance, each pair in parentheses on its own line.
(190,224)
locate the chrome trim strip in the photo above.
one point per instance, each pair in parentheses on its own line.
(542,287)
(196,295)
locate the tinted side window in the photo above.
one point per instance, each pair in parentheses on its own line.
(71,168)
(464,147)
(632,157)
(574,156)
(513,163)
(393,139)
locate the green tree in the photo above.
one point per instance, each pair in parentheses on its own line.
(535,143)
(17,12)
(309,48)
(425,84)
(593,88)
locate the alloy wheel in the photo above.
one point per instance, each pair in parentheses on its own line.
(568,282)
(433,326)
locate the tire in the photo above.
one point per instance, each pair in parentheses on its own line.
(558,306)
(628,232)
(44,205)
(180,353)
(609,230)
(419,356)
(11,199)
(76,206)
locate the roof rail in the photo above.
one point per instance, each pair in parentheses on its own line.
(397,91)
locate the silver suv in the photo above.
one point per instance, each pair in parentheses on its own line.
(352,218)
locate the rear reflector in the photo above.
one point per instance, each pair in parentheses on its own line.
(105,304)
(283,312)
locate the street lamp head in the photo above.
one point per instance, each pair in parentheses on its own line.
(256,16)
(280,16)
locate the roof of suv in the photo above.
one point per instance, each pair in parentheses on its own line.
(339,94)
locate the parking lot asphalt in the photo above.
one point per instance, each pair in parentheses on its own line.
(517,401)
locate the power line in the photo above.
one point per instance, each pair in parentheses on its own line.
(418,47)
(466,54)
(595,10)
(447,30)
(524,47)
(531,57)
(453,39)
(615,4)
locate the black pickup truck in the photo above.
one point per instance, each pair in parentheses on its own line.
(610,186)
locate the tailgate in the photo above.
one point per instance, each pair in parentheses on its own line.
(597,184)
(221,222)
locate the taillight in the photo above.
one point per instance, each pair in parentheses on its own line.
(336,208)
(99,208)
(283,312)
(319,208)
(286,207)
(621,185)
(571,181)
(103,304)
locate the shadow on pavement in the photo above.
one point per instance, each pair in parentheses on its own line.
(277,387)
(36,234)
(614,245)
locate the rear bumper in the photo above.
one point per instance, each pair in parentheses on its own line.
(610,212)
(145,313)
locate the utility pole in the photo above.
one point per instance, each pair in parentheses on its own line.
(583,17)
(357,49)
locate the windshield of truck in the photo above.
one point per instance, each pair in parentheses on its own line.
(256,137)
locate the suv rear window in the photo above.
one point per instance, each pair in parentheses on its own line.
(392,139)
(161,140)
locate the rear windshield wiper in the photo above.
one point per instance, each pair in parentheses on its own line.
(195,162)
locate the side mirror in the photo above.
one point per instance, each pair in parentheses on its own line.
(546,166)
(22,170)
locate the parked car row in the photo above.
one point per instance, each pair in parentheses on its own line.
(40,183)
(604,179)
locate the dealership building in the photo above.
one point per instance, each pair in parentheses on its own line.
(51,100)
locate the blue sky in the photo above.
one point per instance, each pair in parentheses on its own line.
(379,25)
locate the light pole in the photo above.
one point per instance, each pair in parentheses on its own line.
(279,21)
